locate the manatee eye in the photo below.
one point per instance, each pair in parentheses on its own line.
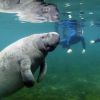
(42,37)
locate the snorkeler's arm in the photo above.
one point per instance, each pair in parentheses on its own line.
(97,40)
(68,47)
(69,50)
(83,42)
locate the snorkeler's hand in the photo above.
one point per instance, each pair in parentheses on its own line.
(69,50)
(92,41)
(83,51)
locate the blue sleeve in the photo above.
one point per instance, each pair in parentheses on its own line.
(97,40)
(65,43)
(63,22)
(83,42)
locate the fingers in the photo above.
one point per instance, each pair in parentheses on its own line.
(69,51)
(92,41)
(83,51)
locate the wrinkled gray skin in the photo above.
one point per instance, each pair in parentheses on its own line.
(20,60)
(31,10)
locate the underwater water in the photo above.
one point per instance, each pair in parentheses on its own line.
(70,76)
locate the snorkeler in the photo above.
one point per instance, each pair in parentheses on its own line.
(95,41)
(75,34)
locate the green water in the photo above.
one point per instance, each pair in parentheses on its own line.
(69,77)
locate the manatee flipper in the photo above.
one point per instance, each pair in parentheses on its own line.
(26,72)
(43,70)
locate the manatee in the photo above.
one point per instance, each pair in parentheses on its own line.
(34,11)
(20,60)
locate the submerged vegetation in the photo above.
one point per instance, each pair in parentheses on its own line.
(60,88)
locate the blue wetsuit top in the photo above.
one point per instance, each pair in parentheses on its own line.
(71,37)
(71,26)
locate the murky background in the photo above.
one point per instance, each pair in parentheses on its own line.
(70,76)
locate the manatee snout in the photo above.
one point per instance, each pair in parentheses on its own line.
(55,38)
(54,41)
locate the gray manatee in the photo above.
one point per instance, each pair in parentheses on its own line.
(20,60)
(31,10)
